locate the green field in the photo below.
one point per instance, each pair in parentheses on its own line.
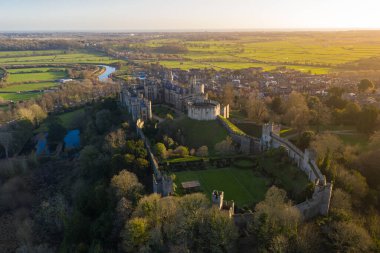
(31,78)
(29,86)
(315,52)
(35,77)
(162,111)
(54,57)
(240,185)
(66,119)
(19,96)
(198,133)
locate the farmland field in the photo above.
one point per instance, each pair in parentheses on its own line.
(24,77)
(19,96)
(33,77)
(28,87)
(315,52)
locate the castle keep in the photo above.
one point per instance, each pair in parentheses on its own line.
(191,100)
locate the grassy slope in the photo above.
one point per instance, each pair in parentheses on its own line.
(198,133)
(239,185)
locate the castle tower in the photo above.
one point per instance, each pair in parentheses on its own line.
(196,88)
(217,198)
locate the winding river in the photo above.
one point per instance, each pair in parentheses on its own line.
(107,73)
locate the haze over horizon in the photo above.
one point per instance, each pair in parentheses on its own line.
(150,15)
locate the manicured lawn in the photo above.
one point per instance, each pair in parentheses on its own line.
(240,185)
(199,133)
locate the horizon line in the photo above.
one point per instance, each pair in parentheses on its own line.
(191,30)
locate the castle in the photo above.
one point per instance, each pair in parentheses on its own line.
(138,106)
(191,100)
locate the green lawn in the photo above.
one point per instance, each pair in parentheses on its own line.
(162,111)
(315,52)
(33,77)
(240,185)
(34,70)
(66,119)
(29,86)
(251,129)
(69,116)
(198,133)
(19,96)
(59,58)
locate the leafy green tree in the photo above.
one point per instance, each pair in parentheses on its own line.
(276,105)
(136,235)
(126,185)
(182,151)
(56,131)
(367,120)
(103,120)
(161,150)
(365,85)
(349,237)
(275,220)
(305,139)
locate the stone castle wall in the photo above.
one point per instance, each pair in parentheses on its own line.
(248,144)
(162,183)
(319,204)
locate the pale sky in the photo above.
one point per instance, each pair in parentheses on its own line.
(150,15)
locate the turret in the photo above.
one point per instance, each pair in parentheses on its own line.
(217,198)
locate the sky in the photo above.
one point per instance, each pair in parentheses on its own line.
(202,15)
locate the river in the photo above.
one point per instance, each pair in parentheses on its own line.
(107,73)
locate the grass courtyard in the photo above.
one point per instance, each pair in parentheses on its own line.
(247,181)
(198,133)
(240,185)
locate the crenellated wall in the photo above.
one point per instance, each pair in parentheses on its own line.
(319,204)
(162,183)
